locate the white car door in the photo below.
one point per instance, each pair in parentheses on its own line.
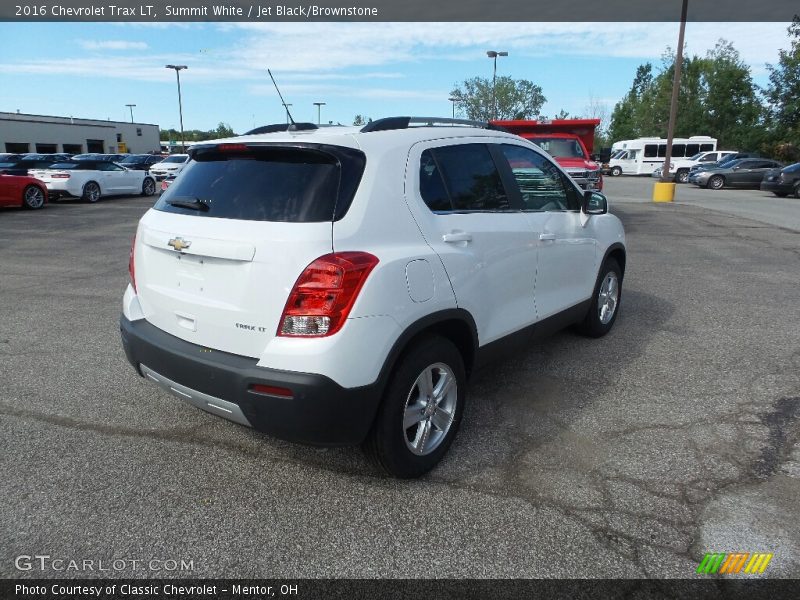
(566,263)
(485,243)
(119,180)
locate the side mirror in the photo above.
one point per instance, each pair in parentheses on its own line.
(594,203)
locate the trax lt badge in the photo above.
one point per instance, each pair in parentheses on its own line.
(179,244)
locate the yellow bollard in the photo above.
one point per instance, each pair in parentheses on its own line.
(664,192)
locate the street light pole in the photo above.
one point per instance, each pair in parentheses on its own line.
(319,106)
(453,100)
(131,107)
(493,54)
(178,69)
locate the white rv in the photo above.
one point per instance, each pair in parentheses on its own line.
(642,156)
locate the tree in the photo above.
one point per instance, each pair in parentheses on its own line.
(625,118)
(361,120)
(224,130)
(732,108)
(515,98)
(783,96)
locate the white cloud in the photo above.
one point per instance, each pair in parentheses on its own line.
(111,45)
(348,91)
(314,53)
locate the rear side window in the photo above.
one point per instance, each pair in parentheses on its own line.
(267,183)
(650,150)
(461,178)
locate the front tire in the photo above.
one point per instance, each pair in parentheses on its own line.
(91,192)
(148,187)
(421,409)
(616,171)
(682,176)
(717,182)
(33,197)
(605,301)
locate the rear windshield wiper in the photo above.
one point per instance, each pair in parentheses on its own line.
(191,203)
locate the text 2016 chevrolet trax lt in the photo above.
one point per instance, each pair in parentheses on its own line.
(338,286)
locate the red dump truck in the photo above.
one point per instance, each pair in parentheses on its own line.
(569,141)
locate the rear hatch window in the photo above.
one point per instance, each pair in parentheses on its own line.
(302,183)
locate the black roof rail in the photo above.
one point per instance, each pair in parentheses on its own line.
(405,122)
(276,127)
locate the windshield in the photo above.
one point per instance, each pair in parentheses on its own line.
(176,159)
(562,147)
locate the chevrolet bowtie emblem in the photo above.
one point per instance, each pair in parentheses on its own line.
(179,244)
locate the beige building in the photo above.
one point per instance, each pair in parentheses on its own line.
(21,133)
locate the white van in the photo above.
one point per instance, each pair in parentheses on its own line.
(642,156)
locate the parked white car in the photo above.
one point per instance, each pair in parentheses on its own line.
(679,168)
(172,165)
(93,179)
(338,286)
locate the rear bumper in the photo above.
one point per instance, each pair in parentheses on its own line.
(320,411)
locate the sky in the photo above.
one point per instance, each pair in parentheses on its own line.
(92,70)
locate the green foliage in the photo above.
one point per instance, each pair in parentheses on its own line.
(783,99)
(515,98)
(717,98)
(223,130)
(361,120)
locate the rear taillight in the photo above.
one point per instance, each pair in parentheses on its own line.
(271,390)
(132,264)
(324,293)
(60,176)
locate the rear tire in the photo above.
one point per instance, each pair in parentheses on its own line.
(797,191)
(717,182)
(616,171)
(148,187)
(605,301)
(33,197)
(682,176)
(91,192)
(421,409)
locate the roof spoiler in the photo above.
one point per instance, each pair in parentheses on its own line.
(277,127)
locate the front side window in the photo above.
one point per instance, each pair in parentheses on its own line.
(540,182)
(461,178)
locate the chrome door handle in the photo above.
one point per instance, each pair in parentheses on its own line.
(454,237)
(547,236)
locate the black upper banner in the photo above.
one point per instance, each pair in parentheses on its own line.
(166,11)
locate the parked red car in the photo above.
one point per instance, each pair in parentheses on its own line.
(19,190)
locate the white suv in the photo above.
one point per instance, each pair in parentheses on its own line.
(337,286)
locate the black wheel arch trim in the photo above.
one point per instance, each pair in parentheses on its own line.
(613,248)
(428,323)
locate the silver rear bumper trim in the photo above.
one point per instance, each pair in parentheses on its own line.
(216,406)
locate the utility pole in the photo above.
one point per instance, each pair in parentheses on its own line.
(131,107)
(676,86)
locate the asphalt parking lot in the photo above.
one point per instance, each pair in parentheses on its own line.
(630,456)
